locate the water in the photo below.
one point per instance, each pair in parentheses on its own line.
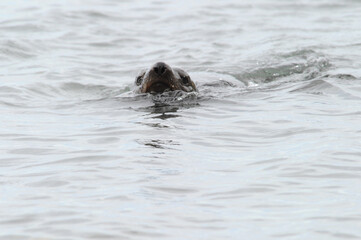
(268,149)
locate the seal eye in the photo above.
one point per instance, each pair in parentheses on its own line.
(185,80)
(138,81)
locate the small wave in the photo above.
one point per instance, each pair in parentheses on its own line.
(90,91)
(165,104)
(324,87)
(341,76)
(11,96)
(40,94)
(16,49)
(174,97)
(300,65)
(21,27)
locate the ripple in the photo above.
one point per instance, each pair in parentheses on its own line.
(16,49)
(323,87)
(173,190)
(306,63)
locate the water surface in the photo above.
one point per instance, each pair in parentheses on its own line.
(269,148)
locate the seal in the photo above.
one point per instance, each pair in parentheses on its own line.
(162,78)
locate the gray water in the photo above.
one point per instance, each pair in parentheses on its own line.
(269,148)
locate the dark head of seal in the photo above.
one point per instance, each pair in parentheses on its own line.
(161,78)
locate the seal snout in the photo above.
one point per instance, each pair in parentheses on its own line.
(160,68)
(159,78)
(162,78)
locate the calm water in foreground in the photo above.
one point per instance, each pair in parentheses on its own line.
(270,147)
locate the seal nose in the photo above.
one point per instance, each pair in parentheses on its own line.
(160,68)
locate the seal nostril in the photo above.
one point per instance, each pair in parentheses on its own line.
(160,68)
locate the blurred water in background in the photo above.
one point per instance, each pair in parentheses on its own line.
(269,148)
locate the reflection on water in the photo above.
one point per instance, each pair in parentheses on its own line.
(159,143)
(268,147)
(165,114)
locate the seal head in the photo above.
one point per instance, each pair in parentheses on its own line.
(162,78)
